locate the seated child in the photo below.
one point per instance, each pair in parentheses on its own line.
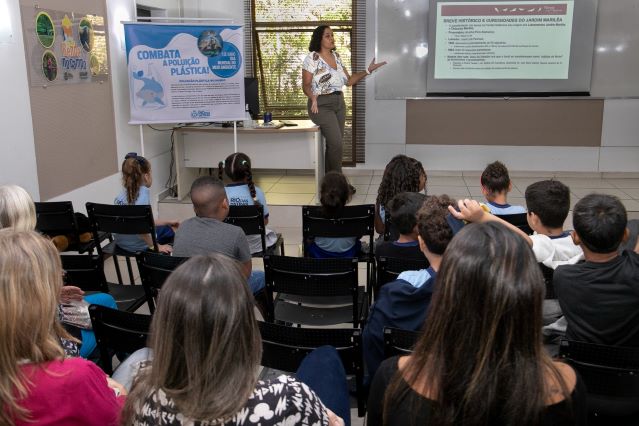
(495,185)
(136,181)
(334,195)
(402,174)
(548,205)
(600,297)
(207,232)
(403,303)
(403,210)
(243,192)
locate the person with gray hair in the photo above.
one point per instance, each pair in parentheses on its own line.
(207,233)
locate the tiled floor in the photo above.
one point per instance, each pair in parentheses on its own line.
(287,189)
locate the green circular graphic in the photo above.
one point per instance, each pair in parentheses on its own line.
(85,32)
(45,29)
(49,65)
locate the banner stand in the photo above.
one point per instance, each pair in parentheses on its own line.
(153,80)
(234,136)
(142,140)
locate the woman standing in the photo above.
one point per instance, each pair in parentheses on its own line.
(323,76)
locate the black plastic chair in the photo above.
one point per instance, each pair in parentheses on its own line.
(611,375)
(354,221)
(58,218)
(284,348)
(389,268)
(132,220)
(87,272)
(118,332)
(154,269)
(517,219)
(251,220)
(315,292)
(399,342)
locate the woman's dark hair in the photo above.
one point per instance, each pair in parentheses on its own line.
(334,193)
(402,174)
(238,168)
(134,167)
(205,340)
(481,354)
(316,38)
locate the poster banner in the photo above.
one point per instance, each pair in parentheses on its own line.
(64,47)
(180,73)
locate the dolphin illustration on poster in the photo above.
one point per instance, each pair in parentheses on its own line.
(151,91)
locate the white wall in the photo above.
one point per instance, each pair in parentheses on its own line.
(156,144)
(17,149)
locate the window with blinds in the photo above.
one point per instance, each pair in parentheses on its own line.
(277,36)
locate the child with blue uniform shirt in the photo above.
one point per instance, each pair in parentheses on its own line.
(495,185)
(335,193)
(404,207)
(242,191)
(404,303)
(136,181)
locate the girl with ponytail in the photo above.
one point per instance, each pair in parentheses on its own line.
(243,192)
(335,193)
(136,181)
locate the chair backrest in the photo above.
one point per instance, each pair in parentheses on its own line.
(389,268)
(118,331)
(251,219)
(519,220)
(284,348)
(154,269)
(305,276)
(84,271)
(121,220)
(56,218)
(354,221)
(611,375)
(398,341)
(311,277)
(548,274)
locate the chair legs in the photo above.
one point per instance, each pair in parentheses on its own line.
(117,268)
(128,266)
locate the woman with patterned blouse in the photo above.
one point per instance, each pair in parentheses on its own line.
(206,353)
(323,76)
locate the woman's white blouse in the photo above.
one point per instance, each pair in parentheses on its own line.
(326,79)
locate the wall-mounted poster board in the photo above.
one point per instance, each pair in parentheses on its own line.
(64,46)
(183,73)
(71,100)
